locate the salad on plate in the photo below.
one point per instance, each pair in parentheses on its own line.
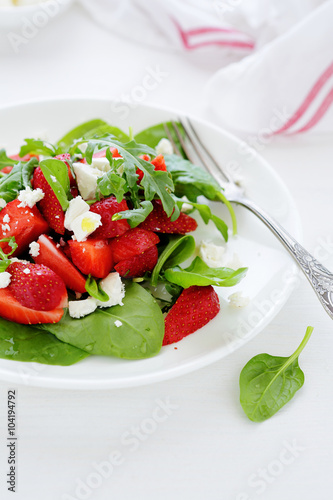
(98,254)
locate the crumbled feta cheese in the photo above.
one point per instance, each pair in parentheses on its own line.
(80,308)
(84,225)
(115,289)
(53,178)
(186,207)
(29,197)
(5,279)
(211,254)
(34,249)
(5,227)
(3,203)
(26,271)
(86,177)
(238,300)
(164,147)
(77,206)
(101,164)
(6,218)
(118,323)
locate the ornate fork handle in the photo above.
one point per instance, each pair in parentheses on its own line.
(320,278)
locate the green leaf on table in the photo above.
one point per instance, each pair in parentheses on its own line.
(198,273)
(19,178)
(136,215)
(30,343)
(179,249)
(39,147)
(56,174)
(139,336)
(268,382)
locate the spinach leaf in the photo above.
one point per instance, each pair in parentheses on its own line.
(5,161)
(111,183)
(88,130)
(268,382)
(207,215)
(192,181)
(39,147)
(139,336)
(198,273)
(137,215)
(30,343)
(152,135)
(177,250)
(95,290)
(17,179)
(56,174)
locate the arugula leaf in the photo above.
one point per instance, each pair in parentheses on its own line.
(31,343)
(157,182)
(88,130)
(177,251)
(39,147)
(17,179)
(192,181)
(95,290)
(137,215)
(111,183)
(56,174)
(5,161)
(268,382)
(4,260)
(198,273)
(139,336)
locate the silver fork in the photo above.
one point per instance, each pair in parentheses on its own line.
(320,278)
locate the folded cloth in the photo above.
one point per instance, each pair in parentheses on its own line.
(284,88)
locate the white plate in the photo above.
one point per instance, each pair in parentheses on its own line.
(27,20)
(271,274)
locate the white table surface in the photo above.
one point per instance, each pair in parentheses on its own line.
(205,447)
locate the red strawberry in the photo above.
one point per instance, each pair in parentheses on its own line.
(159,222)
(106,209)
(139,264)
(7,170)
(92,256)
(158,162)
(36,286)
(49,205)
(12,310)
(65,157)
(54,258)
(133,242)
(24,223)
(194,308)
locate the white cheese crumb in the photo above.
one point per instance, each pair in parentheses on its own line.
(5,279)
(29,197)
(53,178)
(186,207)
(3,203)
(77,206)
(101,164)
(118,323)
(34,249)
(81,308)
(26,271)
(85,224)
(115,289)
(164,147)
(237,300)
(86,177)
(5,227)
(211,254)
(6,218)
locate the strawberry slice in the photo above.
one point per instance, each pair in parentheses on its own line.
(65,158)
(49,205)
(24,223)
(133,242)
(54,258)
(195,307)
(12,310)
(158,162)
(139,264)
(7,170)
(36,286)
(159,222)
(106,209)
(93,256)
